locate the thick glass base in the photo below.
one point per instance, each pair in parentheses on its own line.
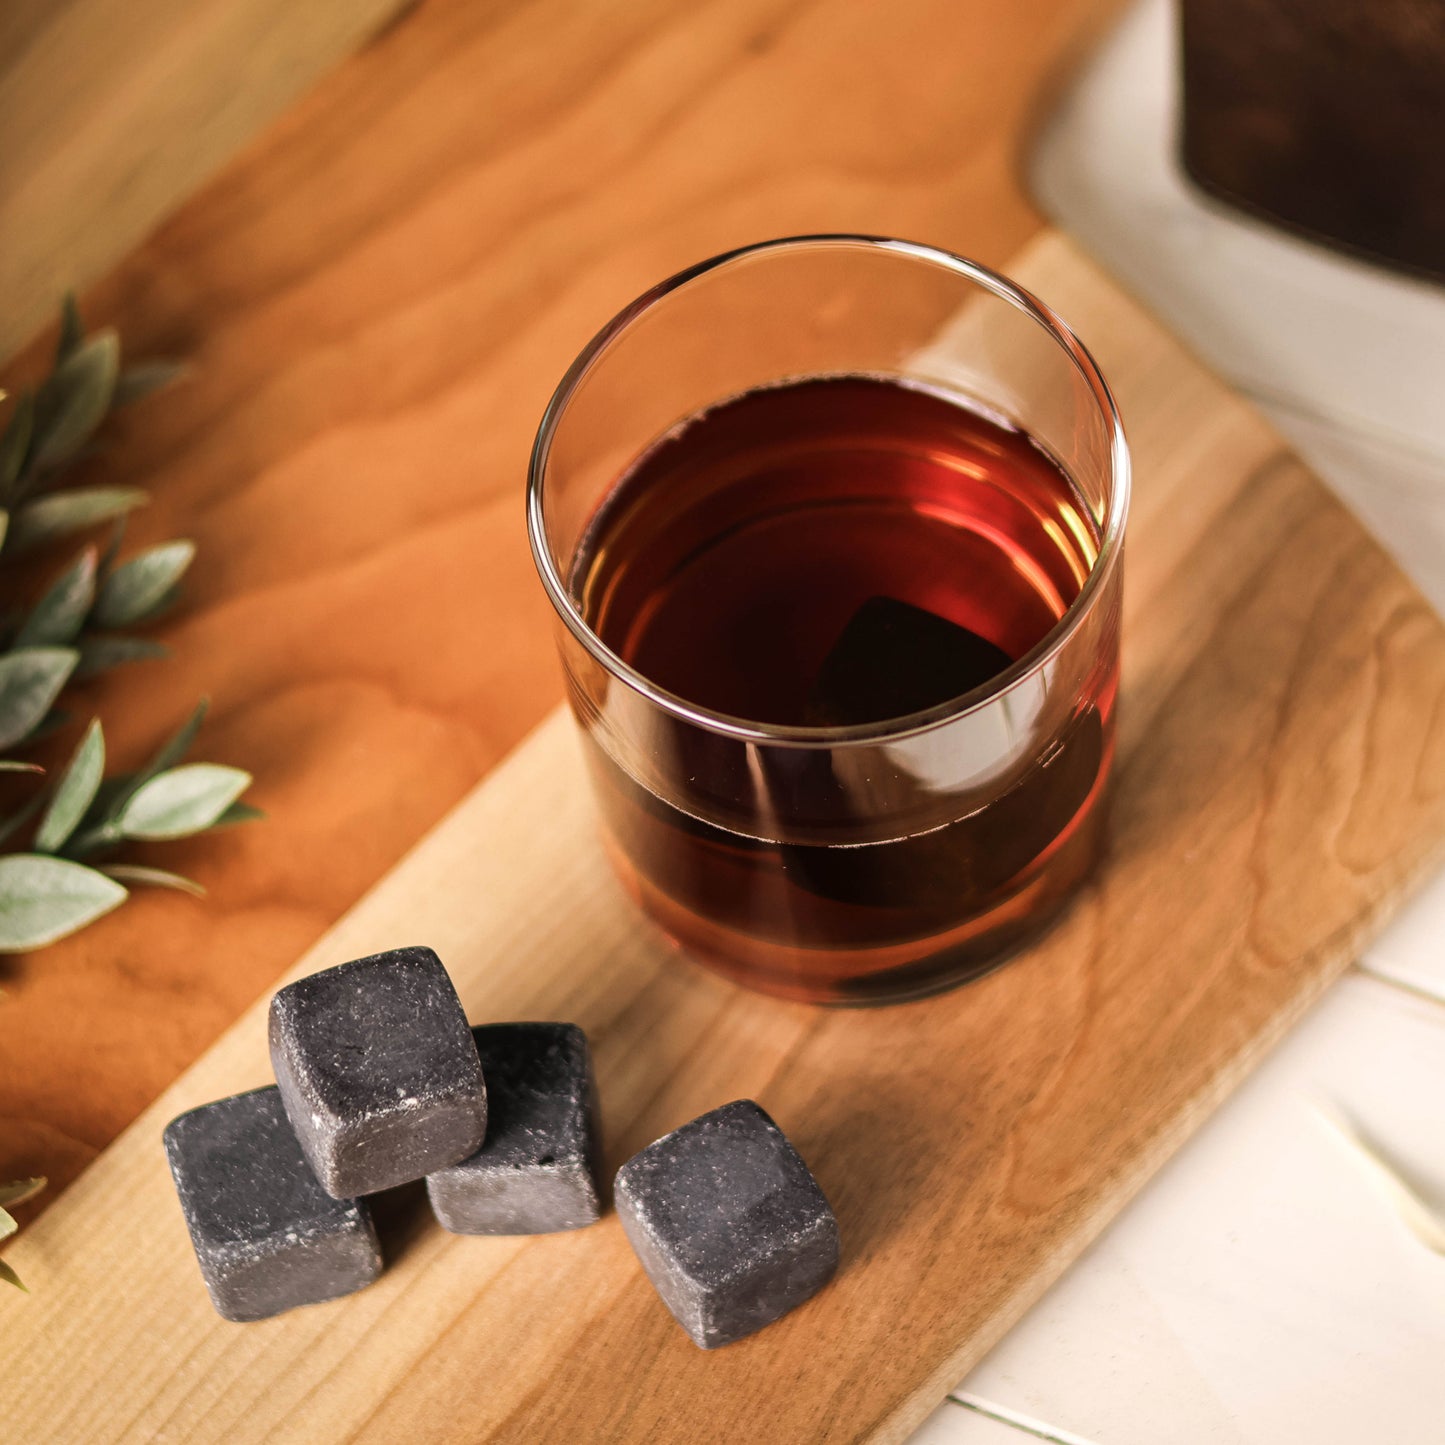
(876,975)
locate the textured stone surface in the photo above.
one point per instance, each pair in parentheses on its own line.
(267,1235)
(378,1070)
(729,1224)
(537,1170)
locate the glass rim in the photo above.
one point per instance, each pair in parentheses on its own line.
(885,729)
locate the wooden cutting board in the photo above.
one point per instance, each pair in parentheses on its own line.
(375,300)
(1282,782)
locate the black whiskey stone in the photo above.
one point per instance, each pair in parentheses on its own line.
(267,1236)
(730,1226)
(378,1071)
(893,659)
(537,1170)
(982,852)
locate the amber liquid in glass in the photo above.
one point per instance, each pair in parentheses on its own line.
(828,553)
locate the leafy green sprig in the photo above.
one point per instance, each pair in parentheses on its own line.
(82,624)
(15,1193)
(70,876)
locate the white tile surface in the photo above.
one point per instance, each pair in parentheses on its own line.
(954,1423)
(1412,950)
(1262,1289)
(1398,493)
(1022,1424)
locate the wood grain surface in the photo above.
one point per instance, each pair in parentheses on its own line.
(114,114)
(1282,780)
(377,299)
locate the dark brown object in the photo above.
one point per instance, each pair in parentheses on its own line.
(1325,115)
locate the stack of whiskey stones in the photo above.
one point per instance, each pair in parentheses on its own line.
(380,1081)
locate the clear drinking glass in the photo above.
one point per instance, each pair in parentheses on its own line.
(870,861)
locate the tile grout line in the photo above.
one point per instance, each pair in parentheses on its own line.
(1026,1423)
(1415,990)
(1055,1435)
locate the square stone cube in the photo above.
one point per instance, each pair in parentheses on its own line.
(378,1071)
(268,1237)
(893,659)
(729,1224)
(537,1170)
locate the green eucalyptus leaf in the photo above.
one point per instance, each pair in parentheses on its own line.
(89,841)
(74,792)
(142,379)
(175,747)
(111,793)
(100,654)
(112,546)
(72,329)
(74,399)
(182,801)
(58,617)
(55,719)
(163,606)
(19,1190)
(138,587)
(155,877)
(116,792)
(43,899)
(58,514)
(239,813)
(30,681)
(15,442)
